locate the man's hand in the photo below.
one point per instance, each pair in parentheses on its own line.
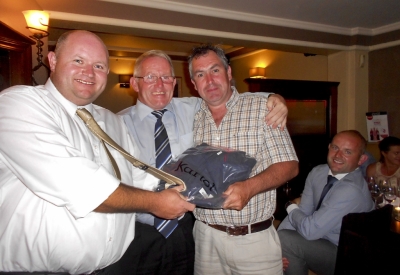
(278,111)
(237,196)
(297,200)
(239,193)
(285,263)
(167,204)
(170,204)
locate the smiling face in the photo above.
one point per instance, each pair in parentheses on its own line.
(155,95)
(345,153)
(211,79)
(80,67)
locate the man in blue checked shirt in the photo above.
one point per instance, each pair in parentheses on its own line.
(239,238)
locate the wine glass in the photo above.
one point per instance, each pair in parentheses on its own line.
(375,191)
(383,185)
(389,194)
(370,181)
(372,186)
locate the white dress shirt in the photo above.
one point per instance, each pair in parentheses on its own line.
(178,122)
(53,173)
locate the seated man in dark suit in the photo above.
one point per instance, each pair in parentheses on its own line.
(310,233)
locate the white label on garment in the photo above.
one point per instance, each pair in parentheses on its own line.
(204,194)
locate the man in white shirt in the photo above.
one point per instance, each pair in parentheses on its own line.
(62,209)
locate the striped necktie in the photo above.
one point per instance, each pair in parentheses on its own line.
(163,156)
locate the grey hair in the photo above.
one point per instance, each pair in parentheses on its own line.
(203,50)
(148,54)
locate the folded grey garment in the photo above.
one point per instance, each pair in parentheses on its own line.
(208,171)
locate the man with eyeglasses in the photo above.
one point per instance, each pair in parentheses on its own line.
(154,81)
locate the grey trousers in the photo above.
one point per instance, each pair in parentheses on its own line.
(319,256)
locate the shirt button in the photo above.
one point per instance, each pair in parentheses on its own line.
(217,138)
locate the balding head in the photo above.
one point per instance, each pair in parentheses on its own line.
(346,152)
(79,66)
(64,37)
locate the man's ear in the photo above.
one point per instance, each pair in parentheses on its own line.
(229,72)
(194,84)
(52,61)
(363,159)
(134,84)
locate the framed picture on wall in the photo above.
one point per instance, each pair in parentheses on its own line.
(178,87)
(377,126)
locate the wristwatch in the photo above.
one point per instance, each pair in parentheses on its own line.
(287,204)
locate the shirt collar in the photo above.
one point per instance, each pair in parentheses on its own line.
(68,105)
(339,176)
(143,110)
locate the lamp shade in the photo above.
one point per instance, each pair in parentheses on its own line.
(257,72)
(36,20)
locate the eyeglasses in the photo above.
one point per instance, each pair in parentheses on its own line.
(153,79)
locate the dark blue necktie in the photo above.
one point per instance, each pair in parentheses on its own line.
(163,156)
(331,181)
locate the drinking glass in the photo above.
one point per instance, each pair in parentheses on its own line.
(389,194)
(383,185)
(371,182)
(373,187)
(375,191)
(394,182)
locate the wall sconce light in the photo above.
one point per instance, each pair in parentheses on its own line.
(124,80)
(257,72)
(38,22)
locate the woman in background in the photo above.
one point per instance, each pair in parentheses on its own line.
(388,166)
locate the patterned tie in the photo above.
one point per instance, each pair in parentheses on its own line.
(331,181)
(163,156)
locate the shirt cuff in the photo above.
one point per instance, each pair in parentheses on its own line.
(291,207)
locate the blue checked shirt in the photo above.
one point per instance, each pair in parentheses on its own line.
(243,128)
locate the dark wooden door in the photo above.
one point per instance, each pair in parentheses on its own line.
(15,58)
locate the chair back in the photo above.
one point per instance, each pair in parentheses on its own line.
(366,243)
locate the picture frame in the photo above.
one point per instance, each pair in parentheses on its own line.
(178,87)
(377,126)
